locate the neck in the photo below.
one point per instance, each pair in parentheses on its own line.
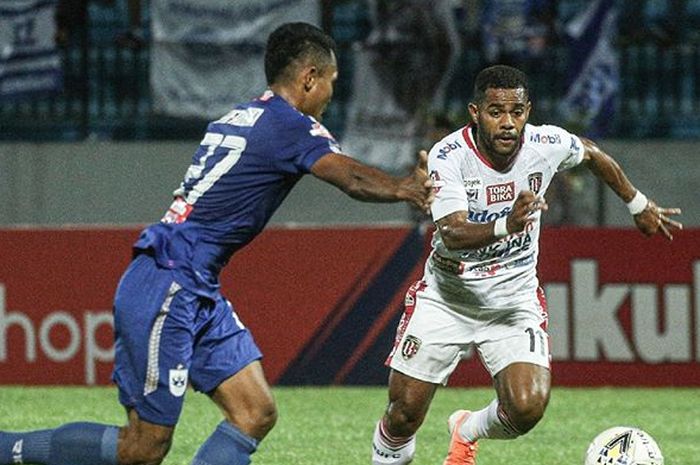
(499,162)
(288,94)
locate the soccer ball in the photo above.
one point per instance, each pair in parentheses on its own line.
(623,445)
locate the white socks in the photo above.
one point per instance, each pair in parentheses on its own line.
(390,450)
(490,422)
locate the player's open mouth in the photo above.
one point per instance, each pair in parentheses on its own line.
(507,140)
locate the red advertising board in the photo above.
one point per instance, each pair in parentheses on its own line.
(323,304)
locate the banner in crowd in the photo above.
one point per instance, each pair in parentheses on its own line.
(29,61)
(325,313)
(208,56)
(594,75)
(400,74)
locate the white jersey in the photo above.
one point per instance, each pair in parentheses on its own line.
(502,274)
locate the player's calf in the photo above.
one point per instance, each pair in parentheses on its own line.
(74,443)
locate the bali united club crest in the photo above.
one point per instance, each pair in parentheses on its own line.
(535,182)
(410,346)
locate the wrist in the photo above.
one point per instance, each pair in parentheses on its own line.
(638,203)
(500,227)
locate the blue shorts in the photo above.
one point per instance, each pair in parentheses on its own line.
(167,337)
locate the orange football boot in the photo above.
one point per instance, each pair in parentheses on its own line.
(461,452)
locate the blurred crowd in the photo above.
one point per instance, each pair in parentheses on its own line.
(72,20)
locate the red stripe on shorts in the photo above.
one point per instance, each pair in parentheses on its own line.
(409,308)
(543,308)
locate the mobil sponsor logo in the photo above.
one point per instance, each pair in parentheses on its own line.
(447,148)
(592,320)
(496,193)
(486,215)
(548,139)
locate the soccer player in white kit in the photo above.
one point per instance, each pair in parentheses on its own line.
(480,288)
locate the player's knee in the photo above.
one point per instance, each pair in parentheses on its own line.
(403,420)
(265,416)
(526,409)
(255,420)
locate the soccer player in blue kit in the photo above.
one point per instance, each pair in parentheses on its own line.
(172,325)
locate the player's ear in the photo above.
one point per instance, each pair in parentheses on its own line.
(474,112)
(309,77)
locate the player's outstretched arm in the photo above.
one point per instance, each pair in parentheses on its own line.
(457,233)
(649,217)
(369,184)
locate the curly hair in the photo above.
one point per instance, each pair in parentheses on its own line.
(499,77)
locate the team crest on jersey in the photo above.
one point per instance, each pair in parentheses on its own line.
(410,346)
(500,193)
(178,381)
(472,186)
(534,180)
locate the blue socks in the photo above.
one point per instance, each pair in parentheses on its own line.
(95,444)
(227,445)
(70,444)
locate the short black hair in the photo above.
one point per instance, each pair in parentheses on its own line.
(291,42)
(499,77)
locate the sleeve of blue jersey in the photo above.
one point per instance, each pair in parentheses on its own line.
(312,141)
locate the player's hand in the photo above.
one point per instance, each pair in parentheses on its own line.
(419,186)
(524,209)
(654,219)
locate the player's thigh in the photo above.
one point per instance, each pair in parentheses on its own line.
(223,346)
(225,364)
(246,400)
(153,342)
(514,336)
(431,340)
(409,401)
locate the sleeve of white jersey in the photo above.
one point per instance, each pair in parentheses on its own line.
(568,152)
(450,195)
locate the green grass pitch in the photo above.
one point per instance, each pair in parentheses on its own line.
(333,425)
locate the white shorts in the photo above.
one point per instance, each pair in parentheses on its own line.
(434,336)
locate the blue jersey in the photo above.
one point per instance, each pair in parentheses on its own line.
(245,166)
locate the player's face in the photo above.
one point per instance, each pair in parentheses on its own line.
(500,119)
(322,91)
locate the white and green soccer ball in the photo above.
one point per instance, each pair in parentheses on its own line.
(623,445)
